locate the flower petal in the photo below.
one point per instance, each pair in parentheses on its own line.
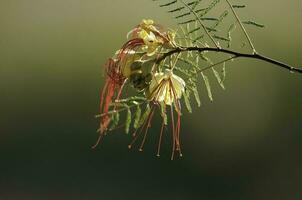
(178,85)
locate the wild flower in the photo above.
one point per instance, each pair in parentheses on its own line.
(150,62)
(166,89)
(127,64)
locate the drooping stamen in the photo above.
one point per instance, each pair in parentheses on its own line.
(119,93)
(102,95)
(176,131)
(160,138)
(177,105)
(147,128)
(101,110)
(178,134)
(114,82)
(108,99)
(98,141)
(173,133)
(135,135)
(130,45)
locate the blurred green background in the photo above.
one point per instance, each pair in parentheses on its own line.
(247,144)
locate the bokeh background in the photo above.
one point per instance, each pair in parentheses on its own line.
(247,144)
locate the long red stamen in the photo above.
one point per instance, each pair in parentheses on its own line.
(130,45)
(98,141)
(160,138)
(178,134)
(102,95)
(146,131)
(105,120)
(135,135)
(173,133)
(177,127)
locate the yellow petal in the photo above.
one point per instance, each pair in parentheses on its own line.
(147,22)
(166,87)
(178,85)
(156,80)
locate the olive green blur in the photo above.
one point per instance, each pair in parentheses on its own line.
(246,145)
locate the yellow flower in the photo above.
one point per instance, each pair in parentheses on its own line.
(166,87)
(152,43)
(153,35)
(147,24)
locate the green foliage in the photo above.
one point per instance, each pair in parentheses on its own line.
(187,100)
(223,72)
(208,86)
(221,38)
(168,4)
(128,120)
(196,93)
(177,9)
(220,19)
(115,118)
(164,112)
(144,116)
(137,117)
(239,6)
(187,12)
(219,80)
(230,30)
(254,24)
(204,11)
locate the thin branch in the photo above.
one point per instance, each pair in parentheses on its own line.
(234,53)
(242,27)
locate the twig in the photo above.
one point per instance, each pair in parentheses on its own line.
(234,53)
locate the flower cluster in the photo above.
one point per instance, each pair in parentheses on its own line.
(136,64)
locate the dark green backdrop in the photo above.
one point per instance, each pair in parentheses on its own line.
(245,145)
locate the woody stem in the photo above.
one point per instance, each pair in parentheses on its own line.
(236,54)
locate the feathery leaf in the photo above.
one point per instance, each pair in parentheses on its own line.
(208,9)
(219,80)
(168,4)
(144,116)
(195,92)
(164,113)
(208,86)
(128,120)
(186,95)
(254,24)
(115,117)
(238,6)
(137,116)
